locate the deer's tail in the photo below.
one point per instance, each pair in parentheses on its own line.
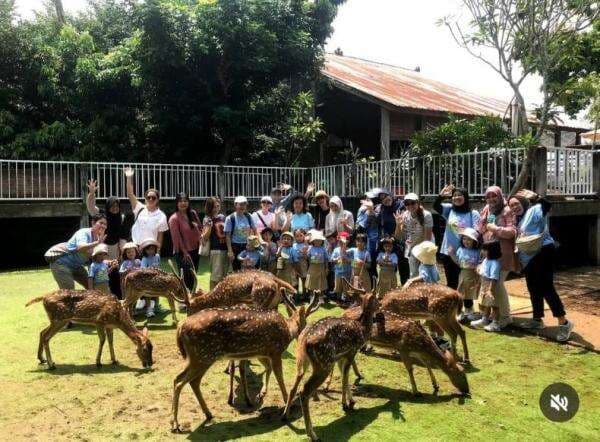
(34,300)
(284,284)
(180,343)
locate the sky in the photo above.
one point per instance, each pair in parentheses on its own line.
(402,33)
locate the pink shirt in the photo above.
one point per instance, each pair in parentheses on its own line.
(181,231)
(505,234)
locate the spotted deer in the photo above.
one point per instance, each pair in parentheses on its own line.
(154,283)
(434,302)
(90,307)
(412,342)
(235,333)
(321,345)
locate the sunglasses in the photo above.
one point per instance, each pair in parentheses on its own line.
(151,197)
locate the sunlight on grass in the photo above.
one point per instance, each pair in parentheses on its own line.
(78,400)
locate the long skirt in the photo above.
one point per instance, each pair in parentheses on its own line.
(288,274)
(388,280)
(364,277)
(468,283)
(316,279)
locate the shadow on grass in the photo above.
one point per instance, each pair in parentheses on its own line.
(91,369)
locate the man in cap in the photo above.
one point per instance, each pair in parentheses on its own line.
(238,227)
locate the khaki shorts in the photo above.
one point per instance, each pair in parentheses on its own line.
(219,265)
(66,277)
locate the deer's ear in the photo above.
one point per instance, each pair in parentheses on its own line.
(145,332)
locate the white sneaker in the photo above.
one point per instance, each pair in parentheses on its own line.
(564,331)
(150,313)
(139,305)
(494,326)
(481,323)
(466,316)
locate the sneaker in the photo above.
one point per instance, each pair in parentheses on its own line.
(481,323)
(139,305)
(564,331)
(494,326)
(532,324)
(150,313)
(466,316)
(472,316)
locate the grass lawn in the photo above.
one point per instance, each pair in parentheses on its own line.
(80,401)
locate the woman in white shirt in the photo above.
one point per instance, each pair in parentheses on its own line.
(263,217)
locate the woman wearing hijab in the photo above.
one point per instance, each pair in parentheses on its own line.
(497,223)
(458,216)
(338,220)
(538,265)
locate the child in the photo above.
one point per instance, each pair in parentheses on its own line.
(268,260)
(130,261)
(361,261)
(301,250)
(489,270)
(467,258)
(318,257)
(287,260)
(425,253)
(251,256)
(98,271)
(342,267)
(387,261)
(150,259)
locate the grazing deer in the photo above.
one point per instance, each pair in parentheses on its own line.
(153,283)
(321,345)
(94,308)
(235,333)
(251,287)
(410,339)
(434,302)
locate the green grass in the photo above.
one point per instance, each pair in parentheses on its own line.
(80,401)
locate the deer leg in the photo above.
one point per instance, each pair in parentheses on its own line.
(328,384)
(43,333)
(278,371)
(409,368)
(172,307)
(266,362)
(342,365)
(458,329)
(188,374)
(318,376)
(231,371)
(435,385)
(101,338)
(446,325)
(195,384)
(300,370)
(349,398)
(359,376)
(109,335)
(244,381)
(54,328)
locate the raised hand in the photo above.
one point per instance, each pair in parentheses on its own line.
(310,188)
(92,186)
(128,172)
(399,217)
(447,190)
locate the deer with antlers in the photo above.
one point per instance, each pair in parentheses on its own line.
(235,333)
(90,307)
(324,343)
(433,302)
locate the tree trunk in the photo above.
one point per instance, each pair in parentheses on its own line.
(60,12)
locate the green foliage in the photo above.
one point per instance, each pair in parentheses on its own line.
(466,135)
(163,80)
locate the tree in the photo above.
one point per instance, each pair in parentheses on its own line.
(524,36)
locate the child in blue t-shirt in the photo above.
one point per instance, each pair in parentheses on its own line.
(361,261)
(489,270)
(130,261)
(251,256)
(387,262)
(301,249)
(287,261)
(150,259)
(425,252)
(467,257)
(98,271)
(268,260)
(342,267)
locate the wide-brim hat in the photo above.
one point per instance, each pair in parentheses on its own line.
(375,192)
(253,241)
(425,252)
(471,233)
(411,197)
(321,193)
(287,234)
(316,235)
(100,248)
(147,243)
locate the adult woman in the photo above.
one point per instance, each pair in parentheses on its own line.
(338,220)
(538,266)
(214,232)
(116,233)
(497,223)
(238,227)
(184,226)
(263,218)
(299,218)
(321,209)
(70,266)
(150,221)
(458,216)
(415,225)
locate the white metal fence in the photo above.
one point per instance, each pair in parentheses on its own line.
(569,172)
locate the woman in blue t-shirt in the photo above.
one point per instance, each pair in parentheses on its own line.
(458,216)
(299,218)
(538,266)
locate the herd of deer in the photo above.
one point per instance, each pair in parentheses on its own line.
(238,321)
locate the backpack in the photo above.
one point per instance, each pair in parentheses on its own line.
(232,217)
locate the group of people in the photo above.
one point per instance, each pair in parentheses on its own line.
(315,246)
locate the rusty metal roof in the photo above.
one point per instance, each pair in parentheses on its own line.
(406,89)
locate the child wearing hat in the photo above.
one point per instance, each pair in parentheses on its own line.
(129,256)
(316,279)
(425,253)
(301,249)
(287,260)
(361,261)
(467,258)
(268,260)
(150,259)
(98,271)
(251,256)
(342,267)
(387,262)
(489,270)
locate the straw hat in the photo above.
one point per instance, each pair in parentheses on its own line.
(316,235)
(321,193)
(253,241)
(100,248)
(129,245)
(471,233)
(147,243)
(425,252)
(287,234)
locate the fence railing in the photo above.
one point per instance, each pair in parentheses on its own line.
(570,172)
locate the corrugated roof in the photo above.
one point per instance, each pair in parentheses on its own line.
(408,89)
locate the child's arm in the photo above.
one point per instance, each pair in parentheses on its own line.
(452,254)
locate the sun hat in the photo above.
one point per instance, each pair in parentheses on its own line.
(100,248)
(316,235)
(425,252)
(377,191)
(266,199)
(287,234)
(470,232)
(240,199)
(321,193)
(253,241)
(147,243)
(411,197)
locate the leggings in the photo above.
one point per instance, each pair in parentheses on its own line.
(452,271)
(539,275)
